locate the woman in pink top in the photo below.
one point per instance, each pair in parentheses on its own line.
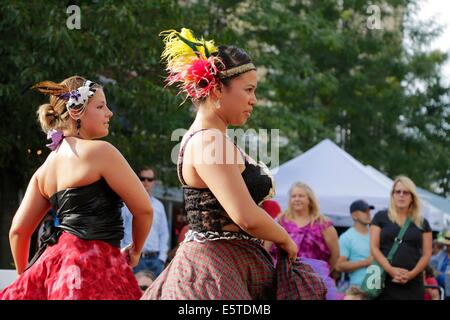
(315,236)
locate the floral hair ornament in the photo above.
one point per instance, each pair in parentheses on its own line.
(77,100)
(191,63)
(76,103)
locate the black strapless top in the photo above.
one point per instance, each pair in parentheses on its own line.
(203,210)
(90,212)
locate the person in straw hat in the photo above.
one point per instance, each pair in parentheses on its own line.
(443,269)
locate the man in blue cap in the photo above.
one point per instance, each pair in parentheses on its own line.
(354,244)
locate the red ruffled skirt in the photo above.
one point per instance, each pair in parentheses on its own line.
(76,269)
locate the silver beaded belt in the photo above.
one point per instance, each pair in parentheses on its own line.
(197,236)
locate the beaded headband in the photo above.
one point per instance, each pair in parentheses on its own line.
(236,70)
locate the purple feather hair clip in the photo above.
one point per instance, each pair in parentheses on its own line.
(74,94)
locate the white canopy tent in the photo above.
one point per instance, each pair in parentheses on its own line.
(338,179)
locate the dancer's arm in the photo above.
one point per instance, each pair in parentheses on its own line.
(226,183)
(121,178)
(268,244)
(31,211)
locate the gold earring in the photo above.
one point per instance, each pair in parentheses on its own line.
(217,104)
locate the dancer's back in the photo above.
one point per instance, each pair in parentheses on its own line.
(84,180)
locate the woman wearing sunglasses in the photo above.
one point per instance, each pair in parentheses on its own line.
(404,279)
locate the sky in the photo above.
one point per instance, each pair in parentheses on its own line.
(439,11)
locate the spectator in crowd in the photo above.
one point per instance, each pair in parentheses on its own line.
(404,277)
(315,236)
(431,284)
(354,244)
(443,267)
(156,246)
(438,247)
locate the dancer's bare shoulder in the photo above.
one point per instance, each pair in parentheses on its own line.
(212,147)
(75,163)
(99,147)
(39,178)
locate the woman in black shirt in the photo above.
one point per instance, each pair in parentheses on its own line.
(404,274)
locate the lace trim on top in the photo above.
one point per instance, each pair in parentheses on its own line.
(265,170)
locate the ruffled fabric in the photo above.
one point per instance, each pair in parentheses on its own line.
(76,269)
(322,269)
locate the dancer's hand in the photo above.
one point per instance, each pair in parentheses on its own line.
(131,255)
(290,247)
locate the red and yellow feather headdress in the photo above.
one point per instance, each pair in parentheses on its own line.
(191,63)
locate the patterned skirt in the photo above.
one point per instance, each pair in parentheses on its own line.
(231,270)
(76,269)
